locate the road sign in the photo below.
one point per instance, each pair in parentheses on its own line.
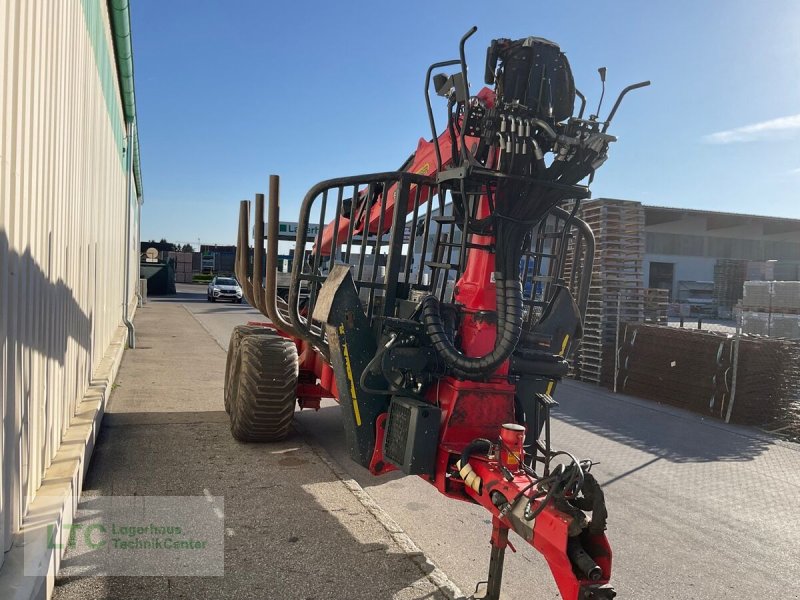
(287,231)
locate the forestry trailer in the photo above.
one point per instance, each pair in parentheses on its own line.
(408,307)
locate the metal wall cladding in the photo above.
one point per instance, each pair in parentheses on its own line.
(686,244)
(62,228)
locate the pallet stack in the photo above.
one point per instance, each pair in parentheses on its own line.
(617,293)
(786,296)
(729,277)
(182,262)
(757,296)
(656,306)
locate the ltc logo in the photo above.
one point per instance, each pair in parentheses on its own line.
(93,536)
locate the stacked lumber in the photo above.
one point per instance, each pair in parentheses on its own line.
(685,368)
(768,385)
(694,370)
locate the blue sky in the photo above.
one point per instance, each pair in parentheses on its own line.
(229,92)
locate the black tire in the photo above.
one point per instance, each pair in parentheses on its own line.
(266,369)
(208,298)
(213,299)
(231,382)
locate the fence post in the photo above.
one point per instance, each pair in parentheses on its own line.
(616,341)
(735,366)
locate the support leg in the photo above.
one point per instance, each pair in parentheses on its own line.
(499,543)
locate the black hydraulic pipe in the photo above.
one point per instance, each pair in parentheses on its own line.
(509,295)
(469,476)
(477,445)
(630,88)
(461,53)
(525,366)
(582,561)
(583,103)
(435,137)
(588,237)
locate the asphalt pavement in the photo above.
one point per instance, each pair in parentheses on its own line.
(288,522)
(699,510)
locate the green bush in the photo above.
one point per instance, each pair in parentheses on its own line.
(202,278)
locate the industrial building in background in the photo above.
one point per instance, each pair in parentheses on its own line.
(70,201)
(704,257)
(734,276)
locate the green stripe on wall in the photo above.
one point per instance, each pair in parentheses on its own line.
(106,70)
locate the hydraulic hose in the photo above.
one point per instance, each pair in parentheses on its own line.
(581,559)
(471,479)
(509,329)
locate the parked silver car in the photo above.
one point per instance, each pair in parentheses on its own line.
(224,288)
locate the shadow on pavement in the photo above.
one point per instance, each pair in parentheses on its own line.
(294,531)
(667,434)
(182,297)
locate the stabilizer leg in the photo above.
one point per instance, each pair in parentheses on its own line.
(496,559)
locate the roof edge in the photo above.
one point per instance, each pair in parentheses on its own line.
(120,18)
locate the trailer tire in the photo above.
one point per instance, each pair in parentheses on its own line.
(232,382)
(266,368)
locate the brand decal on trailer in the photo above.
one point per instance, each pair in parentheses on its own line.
(350,380)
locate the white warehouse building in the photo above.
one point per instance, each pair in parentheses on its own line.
(70,196)
(685,249)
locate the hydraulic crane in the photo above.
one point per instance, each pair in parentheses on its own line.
(441,304)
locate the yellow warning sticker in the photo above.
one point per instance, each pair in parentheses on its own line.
(350,380)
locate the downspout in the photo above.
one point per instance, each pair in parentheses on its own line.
(119,13)
(125,300)
(138,246)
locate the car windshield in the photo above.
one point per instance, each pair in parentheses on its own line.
(224,281)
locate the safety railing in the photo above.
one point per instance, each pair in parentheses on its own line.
(399,234)
(369,222)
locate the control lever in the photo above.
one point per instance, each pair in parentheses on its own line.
(602,71)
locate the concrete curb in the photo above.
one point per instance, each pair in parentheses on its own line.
(199,322)
(56,500)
